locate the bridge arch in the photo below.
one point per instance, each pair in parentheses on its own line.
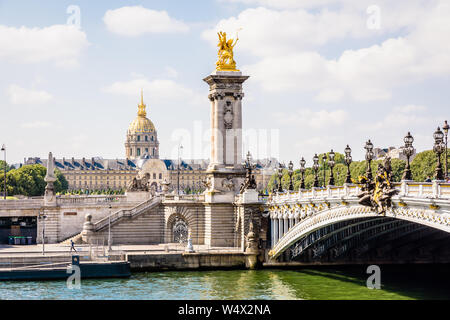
(312,217)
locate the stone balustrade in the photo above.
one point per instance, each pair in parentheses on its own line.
(184,197)
(94,199)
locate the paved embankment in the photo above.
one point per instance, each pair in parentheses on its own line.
(186,261)
(141,257)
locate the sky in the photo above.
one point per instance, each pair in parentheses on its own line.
(323,74)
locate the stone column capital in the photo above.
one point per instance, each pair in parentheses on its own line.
(238,95)
(216,96)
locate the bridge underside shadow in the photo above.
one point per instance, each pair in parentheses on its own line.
(380,240)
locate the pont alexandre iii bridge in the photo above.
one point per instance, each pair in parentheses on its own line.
(332,222)
(371,219)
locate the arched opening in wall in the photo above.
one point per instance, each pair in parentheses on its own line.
(180,231)
(154,186)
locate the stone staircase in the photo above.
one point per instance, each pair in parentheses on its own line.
(76,239)
(127,225)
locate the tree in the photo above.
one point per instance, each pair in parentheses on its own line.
(424,165)
(29,181)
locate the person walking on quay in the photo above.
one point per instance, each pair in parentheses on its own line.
(72,246)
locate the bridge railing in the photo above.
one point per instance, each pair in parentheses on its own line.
(406,188)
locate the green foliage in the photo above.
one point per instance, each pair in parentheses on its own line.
(424,165)
(29,181)
(94,192)
(2,167)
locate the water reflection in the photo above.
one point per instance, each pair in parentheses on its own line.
(238,284)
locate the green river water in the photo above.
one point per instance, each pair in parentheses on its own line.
(401,282)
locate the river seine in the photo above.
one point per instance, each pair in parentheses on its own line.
(401,282)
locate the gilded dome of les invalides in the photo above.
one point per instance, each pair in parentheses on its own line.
(141,124)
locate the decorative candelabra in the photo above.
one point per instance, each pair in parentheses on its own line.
(280,175)
(316,169)
(331,163)
(439,149)
(290,172)
(348,160)
(302,171)
(445,128)
(369,157)
(408,151)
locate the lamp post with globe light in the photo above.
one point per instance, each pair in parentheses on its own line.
(348,161)
(302,171)
(369,157)
(445,128)
(290,172)
(438,148)
(408,152)
(316,169)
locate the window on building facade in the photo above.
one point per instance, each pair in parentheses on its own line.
(160,176)
(138,138)
(146,138)
(138,152)
(154,175)
(146,150)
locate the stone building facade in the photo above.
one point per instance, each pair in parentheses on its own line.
(141,157)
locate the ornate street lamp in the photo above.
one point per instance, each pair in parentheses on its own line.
(348,161)
(324,160)
(331,163)
(439,149)
(180,147)
(302,171)
(408,152)
(248,163)
(369,157)
(290,172)
(42,217)
(280,175)
(4,180)
(445,128)
(316,169)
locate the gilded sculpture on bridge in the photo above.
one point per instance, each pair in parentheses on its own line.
(226,57)
(378,194)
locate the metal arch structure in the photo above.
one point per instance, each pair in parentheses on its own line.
(295,215)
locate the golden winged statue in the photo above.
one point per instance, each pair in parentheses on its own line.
(226,61)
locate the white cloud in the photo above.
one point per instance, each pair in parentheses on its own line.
(171,72)
(158,90)
(285,43)
(61,44)
(36,125)
(403,117)
(137,20)
(289,4)
(313,119)
(19,95)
